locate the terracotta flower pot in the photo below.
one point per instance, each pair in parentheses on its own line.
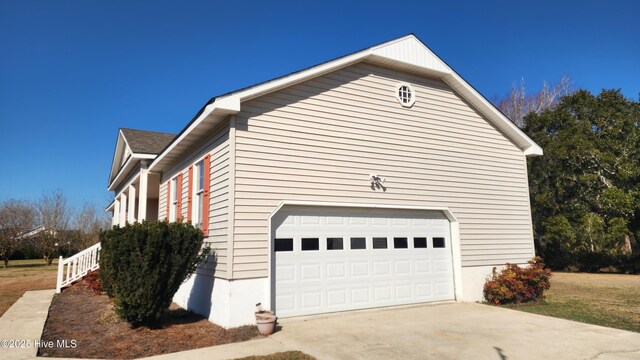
(266,322)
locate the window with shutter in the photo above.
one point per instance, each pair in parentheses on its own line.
(179,195)
(190,193)
(205,194)
(168,214)
(198,194)
(173,207)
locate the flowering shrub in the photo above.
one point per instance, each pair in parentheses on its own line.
(517,284)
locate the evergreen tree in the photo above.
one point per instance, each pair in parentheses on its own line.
(585,190)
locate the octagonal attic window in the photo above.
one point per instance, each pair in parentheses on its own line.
(405,95)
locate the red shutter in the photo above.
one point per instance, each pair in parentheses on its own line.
(179,192)
(205,195)
(168,199)
(189,192)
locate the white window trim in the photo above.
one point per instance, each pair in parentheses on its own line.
(173,205)
(412,100)
(196,209)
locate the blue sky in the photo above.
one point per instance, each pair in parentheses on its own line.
(73,72)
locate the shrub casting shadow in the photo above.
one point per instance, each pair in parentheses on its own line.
(180,317)
(203,281)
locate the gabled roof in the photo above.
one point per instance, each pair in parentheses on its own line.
(407,53)
(146,142)
(133,146)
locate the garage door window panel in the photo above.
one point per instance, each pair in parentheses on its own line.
(335,243)
(310,244)
(438,242)
(400,243)
(283,245)
(379,242)
(419,242)
(358,243)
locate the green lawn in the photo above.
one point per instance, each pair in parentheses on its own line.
(601,299)
(24,275)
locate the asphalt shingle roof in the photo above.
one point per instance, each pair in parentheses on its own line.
(147,142)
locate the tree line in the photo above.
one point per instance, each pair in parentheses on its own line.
(585,189)
(48,227)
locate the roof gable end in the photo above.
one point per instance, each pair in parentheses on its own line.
(119,156)
(411,51)
(410,54)
(406,53)
(146,142)
(133,146)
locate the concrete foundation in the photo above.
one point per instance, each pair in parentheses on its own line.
(225,303)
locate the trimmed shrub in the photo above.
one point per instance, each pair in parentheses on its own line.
(142,265)
(517,284)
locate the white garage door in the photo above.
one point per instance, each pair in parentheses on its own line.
(335,259)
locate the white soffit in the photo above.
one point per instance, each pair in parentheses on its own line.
(209,118)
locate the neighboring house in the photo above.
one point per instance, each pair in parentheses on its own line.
(380,178)
(32,232)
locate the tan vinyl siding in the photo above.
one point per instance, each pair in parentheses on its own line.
(162,201)
(218,147)
(219,202)
(320,140)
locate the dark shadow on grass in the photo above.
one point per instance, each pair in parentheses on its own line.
(22,266)
(181,317)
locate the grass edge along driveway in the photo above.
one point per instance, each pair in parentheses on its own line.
(611,300)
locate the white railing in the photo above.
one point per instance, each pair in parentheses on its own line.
(75,267)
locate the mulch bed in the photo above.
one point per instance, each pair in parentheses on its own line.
(81,315)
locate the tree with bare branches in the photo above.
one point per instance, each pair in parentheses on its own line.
(517,104)
(17,219)
(88,223)
(53,214)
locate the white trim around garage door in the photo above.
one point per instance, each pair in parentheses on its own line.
(455,238)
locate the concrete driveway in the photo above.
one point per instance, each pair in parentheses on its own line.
(442,331)
(453,331)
